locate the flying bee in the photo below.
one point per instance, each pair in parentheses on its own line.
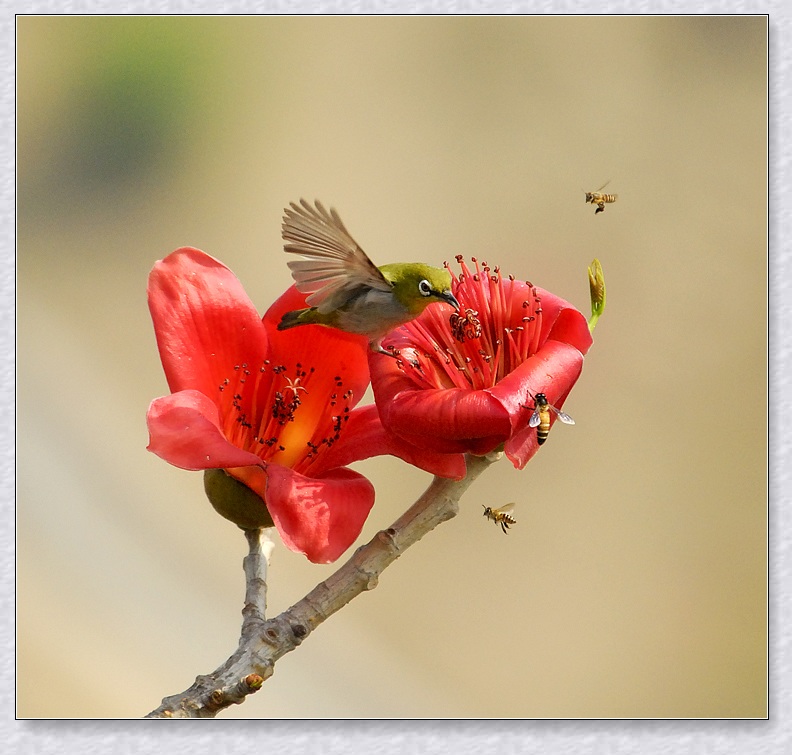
(540,419)
(501,516)
(595,197)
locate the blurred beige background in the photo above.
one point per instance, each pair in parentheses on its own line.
(634,583)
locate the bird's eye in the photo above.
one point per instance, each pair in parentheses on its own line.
(425,288)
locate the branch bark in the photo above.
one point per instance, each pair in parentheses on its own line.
(263,642)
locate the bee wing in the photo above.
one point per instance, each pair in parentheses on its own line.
(507,508)
(335,268)
(603,186)
(535,419)
(563,416)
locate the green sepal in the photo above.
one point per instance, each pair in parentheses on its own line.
(235,501)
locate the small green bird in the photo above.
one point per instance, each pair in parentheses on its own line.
(347,290)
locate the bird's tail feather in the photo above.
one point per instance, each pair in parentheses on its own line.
(293,319)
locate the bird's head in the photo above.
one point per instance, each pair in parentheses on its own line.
(416,285)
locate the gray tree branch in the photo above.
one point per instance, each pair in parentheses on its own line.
(263,642)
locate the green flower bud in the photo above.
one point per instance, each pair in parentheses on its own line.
(597,286)
(235,501)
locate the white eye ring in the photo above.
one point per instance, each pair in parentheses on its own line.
(425,288)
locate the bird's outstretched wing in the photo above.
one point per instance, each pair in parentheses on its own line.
(336,268)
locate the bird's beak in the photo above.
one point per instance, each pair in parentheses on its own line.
(450,298)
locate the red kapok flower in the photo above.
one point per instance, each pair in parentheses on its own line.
(467,385)
(273,408)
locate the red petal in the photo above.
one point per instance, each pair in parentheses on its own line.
(319,517)
(456,420)
(364,437)
(204,321)
(561,321)
(453,413)
(553,371)
(332,351)
(184,429)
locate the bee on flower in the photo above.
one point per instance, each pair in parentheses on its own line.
(540,419)
(464,394)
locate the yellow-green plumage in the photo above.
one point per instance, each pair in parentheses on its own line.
(298,317)
(308,316)
(346,290)
(406,277)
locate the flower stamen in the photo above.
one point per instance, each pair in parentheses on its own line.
(497,329)
(467,327)
(259,411)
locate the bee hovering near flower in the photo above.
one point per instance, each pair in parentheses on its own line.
(346,290)
(595,197)
(501,516)
(541,417)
